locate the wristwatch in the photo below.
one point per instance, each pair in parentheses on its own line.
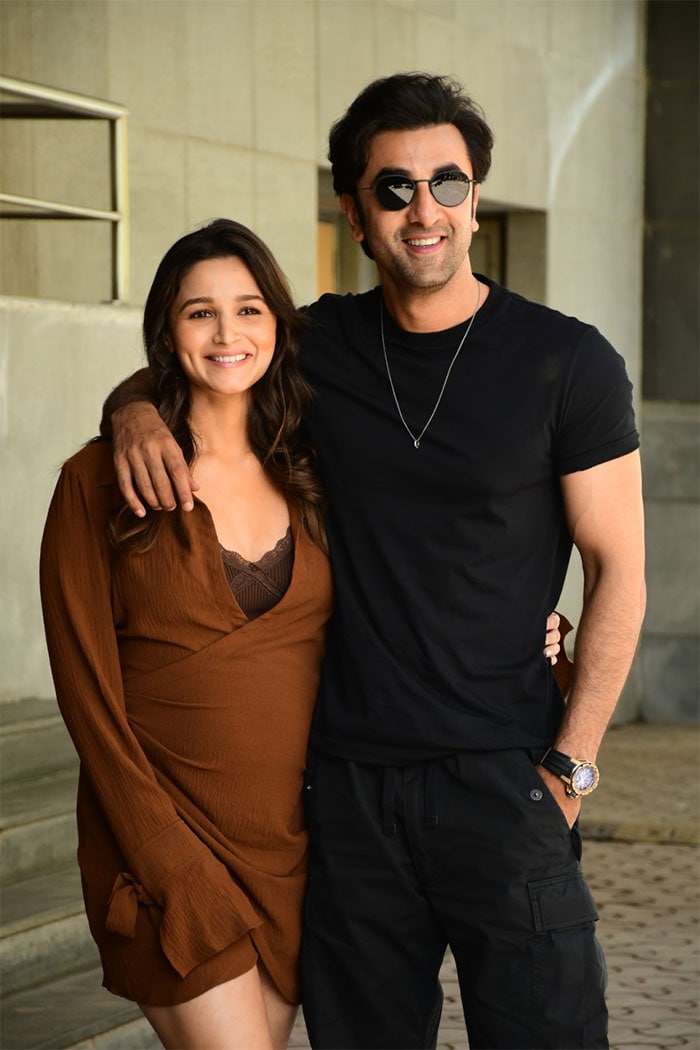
(580,776)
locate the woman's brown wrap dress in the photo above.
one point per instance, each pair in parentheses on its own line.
(191,724)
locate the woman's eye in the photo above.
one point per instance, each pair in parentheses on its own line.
(249,311)
(201,313)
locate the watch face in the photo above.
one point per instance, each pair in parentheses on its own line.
(584,779)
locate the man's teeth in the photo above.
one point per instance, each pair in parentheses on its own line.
(229,359)
(423,242)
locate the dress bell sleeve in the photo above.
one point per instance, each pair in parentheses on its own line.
(203,910)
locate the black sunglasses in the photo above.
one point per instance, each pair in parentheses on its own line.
(395,192)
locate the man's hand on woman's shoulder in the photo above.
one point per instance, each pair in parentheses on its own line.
(148,461)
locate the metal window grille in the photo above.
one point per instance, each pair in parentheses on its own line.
(24,100)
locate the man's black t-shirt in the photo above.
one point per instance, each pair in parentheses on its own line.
(447,558)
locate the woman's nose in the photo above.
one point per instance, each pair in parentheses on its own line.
(226,331)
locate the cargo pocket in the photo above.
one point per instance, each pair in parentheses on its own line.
(568,967)
(562,901)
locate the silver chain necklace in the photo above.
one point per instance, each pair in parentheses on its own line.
(417,440)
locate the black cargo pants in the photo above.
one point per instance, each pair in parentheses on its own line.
(471,850)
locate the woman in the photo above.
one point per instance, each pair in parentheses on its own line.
(186,673)
(185,650)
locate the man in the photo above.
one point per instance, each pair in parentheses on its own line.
(465,438)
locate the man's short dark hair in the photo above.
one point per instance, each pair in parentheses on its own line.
(404,102)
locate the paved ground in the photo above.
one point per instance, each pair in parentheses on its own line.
(642,829)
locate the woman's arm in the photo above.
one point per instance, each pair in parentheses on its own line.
(203,909)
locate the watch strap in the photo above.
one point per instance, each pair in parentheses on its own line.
(558,763)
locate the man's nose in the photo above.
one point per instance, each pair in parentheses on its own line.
(423,208)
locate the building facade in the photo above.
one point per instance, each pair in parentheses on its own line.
(229,103)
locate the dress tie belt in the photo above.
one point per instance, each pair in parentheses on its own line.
(124,902)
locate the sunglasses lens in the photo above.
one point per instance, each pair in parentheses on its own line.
(450,189)
(394,192)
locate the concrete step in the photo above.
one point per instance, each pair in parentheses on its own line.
(50,974)
(37,824)
(49,969)
(33,900)
(134,1035)
(73,1011)
(43,930)
(33,740)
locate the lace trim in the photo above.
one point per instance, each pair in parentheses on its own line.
(269,558)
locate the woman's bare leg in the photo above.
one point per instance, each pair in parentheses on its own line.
(231,1016)
(280,1013)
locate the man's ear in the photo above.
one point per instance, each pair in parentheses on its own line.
(475,204)
(348,205)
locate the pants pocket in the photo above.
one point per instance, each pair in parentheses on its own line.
(562,901)
(568,971)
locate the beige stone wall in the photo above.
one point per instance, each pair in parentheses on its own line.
(230,102)
(669,650)
(56,363)
(229,106)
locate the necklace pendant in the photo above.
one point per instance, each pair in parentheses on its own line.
(417,440)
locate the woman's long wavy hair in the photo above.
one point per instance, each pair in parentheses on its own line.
(277,400)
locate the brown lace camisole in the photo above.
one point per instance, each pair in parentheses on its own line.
(259,585)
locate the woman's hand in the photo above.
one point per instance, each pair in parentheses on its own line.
(556,630)
(552,637)
(148,461)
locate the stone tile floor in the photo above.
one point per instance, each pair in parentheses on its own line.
(650,785)
(650,930)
